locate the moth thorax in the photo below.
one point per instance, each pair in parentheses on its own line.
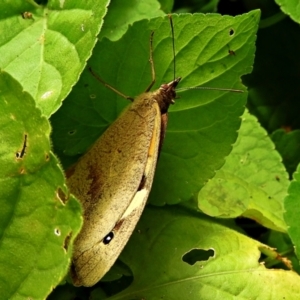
(166,95)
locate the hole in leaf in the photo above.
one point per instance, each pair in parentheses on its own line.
(231,32)
(61,195)
(231,52)
(21,153)
(195,255)
(71,132)
(67,241)
(57,231)
(47,157)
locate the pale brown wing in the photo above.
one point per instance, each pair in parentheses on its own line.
(106,180)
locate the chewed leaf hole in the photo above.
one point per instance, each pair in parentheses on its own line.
(57,231)
(60,194)
(195,255)
(20,154)
(231,52)
(71,132)
(67,241)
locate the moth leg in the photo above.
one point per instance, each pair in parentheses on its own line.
(109,86)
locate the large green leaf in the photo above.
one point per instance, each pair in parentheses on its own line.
(252,183)
(123,13)
(180,255)
(202,124)
(47,48)
(291,8)
(38,218)
(292,208)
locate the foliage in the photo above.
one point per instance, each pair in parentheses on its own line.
(217,163)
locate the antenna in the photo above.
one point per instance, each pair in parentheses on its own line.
(209,88)
(231,52)
(109,86)
(173,43)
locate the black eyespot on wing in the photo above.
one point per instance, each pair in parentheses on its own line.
(108,238)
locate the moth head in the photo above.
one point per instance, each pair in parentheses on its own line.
(167,94)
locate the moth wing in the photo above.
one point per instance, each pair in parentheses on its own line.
(106,181)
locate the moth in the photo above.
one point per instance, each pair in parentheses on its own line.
(114,178)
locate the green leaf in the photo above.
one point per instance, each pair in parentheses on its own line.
(176,254)
(122,13)
(292,211)
(47,52)
(38,218)
(291,8)
(252,183)
(288,145)
(202,124)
